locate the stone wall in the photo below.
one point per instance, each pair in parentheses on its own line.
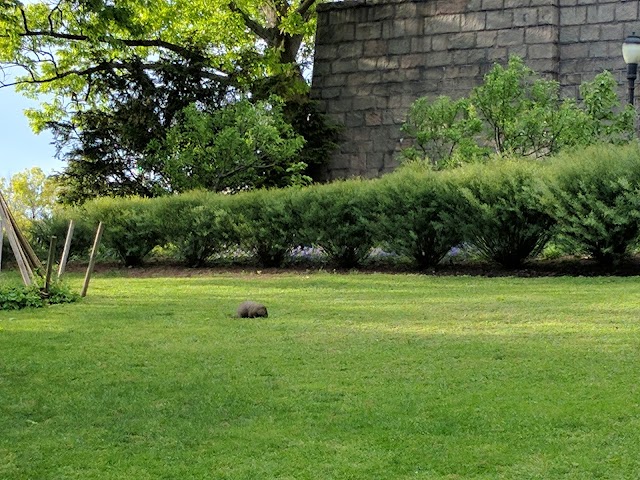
(373,58)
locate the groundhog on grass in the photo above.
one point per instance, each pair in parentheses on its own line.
(251,309)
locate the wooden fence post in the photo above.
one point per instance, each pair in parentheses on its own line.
(52,251)
(65,251)
(92,260)
(18,252)
(1,241)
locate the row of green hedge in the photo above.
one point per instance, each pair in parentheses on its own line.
(508,210)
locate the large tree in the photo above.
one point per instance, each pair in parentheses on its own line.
(117,73)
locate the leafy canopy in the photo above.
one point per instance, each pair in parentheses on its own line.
(118,76)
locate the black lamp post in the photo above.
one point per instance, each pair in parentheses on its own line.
(631,55)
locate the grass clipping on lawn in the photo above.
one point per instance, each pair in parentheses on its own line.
(351,376)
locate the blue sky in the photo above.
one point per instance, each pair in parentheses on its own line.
(20,148)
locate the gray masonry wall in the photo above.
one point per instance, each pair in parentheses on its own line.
(373,58)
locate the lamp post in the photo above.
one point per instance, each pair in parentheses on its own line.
(631,55)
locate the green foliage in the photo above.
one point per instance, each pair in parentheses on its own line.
(443,130)
(57,225)
(524,114)
(198,224)
(506,209)
(132,227)
(16,297)
(321,135)
(270,224)
(31,195)
(518,114)
(242,146)
(117,74)
(608,122)
(107,148)
(339,217)
(594,196)
(414,221)
(500,211)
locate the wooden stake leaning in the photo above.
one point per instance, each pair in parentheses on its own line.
(1,241)
(65,251)
(32,259)
(52,251)
(92,260)
(23,262)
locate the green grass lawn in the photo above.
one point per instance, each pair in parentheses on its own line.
(351,377)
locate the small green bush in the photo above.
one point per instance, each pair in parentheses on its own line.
(594,195)
(413,221)
(199,224)
(132,226)
(500,211)
(57,225)
(269,224)
(339,217)
(16,297)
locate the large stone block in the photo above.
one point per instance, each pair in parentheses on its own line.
(442,24)
(445,7)
(548,16)
(349,50)
(569,34)
(601,13)
(508,38)
(499,20)
(486,39)
(399,46)
(492,4)
(462,40)
(374,48)
(368,31)
(542,34)
(626,11)
(573,16)
(473,22)
(542,51)
(589,33)
(525,17)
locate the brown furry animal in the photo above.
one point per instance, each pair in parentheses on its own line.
(251,309)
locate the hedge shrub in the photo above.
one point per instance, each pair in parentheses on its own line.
(507,209)
(339,217)
(500,210)
(416,214)
(199,224)
(269,224)
(132,226)
(594,196)
(57,225)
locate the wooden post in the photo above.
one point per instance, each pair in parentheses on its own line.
(1,241)
(52,251)
(27,252)
(18,252)
(92,260)
(65,251)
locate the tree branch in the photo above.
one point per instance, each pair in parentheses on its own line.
(305,8)
(157,43)
(267,34)
(102,67)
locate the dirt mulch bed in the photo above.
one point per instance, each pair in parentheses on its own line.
(546,268)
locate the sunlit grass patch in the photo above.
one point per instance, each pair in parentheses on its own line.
(351,376)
